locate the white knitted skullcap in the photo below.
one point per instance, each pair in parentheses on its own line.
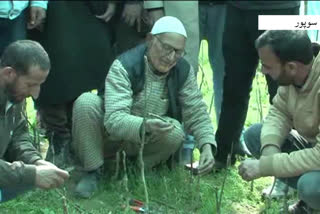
(168,24)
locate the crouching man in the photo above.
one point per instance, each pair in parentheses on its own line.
(24,66)
(288,142)
(151,81)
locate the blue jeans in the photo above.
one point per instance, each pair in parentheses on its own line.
(307,184)
(211,23)
(12,30)
(7,194)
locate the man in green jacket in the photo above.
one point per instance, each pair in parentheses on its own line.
(24,66)
(288,142)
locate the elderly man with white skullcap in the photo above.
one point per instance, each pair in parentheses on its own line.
(150,91)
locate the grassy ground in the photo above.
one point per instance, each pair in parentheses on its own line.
(169,191)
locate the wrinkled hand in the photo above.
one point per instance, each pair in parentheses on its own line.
(158,126)
(49,176)
(132,13)
(206,160)
(37,17)
(16,164)
(109,12)
(249,170)
(154,15)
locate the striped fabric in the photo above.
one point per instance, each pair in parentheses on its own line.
(123,112)
(99,131)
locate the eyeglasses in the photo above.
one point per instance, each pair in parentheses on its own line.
(167,49)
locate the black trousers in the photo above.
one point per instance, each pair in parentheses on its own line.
(241,60)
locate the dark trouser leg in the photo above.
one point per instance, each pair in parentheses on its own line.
(309,189)
(12,30)
(126,37)
(240,63)
(212,18)
(10,193)
(57,119)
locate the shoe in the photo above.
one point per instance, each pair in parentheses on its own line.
(241,148)
(278,190)
(87,185)
(300,207)
(221,163)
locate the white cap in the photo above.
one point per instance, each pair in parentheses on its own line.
(168,24)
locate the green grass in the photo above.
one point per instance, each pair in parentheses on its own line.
(169,191)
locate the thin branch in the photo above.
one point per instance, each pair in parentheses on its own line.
(125,177)
(76,206)
(141,149)
(116,175)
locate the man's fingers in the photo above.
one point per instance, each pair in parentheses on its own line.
(206,168)
(132,21)
(32,17)
(167,128)
(59,181)
(243,173)
(106,16)
(129,19)
(246,177)
(103,16)
(161,125)
(205,165)
(62,173)
(242,169)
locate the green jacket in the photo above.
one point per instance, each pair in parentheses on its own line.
(15,145)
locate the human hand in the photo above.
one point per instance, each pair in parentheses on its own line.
(43,163)
(132,13)
(37,17)
(158,126)
(154,15)
(249,169)
(109,12)
(49,176)
(206,160)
